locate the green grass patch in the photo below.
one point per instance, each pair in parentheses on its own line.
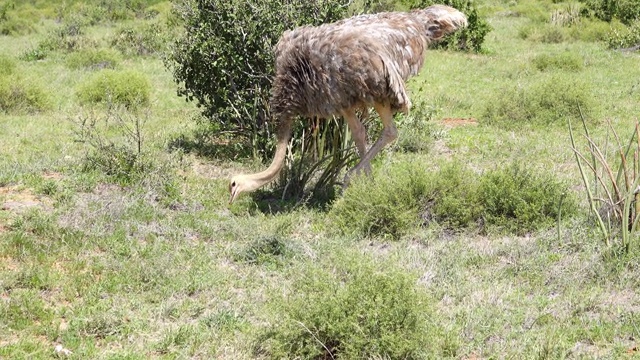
(14,22)
(128,88)
(268,250)
(563,61)
(22,96)
(546,102)
(7,65)
(93,59)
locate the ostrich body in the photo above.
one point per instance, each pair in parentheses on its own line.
(349,65)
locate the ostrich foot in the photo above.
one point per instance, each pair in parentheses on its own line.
(357,171)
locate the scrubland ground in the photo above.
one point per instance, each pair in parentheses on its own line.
(116,239)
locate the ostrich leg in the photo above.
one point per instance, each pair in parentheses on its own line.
(359,134)
(389,134)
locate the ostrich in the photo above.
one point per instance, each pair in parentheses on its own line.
(352,64)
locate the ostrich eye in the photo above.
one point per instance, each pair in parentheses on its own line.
(433,27)
(233,184)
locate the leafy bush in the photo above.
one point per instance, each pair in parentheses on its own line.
(356,313)
(148,39)
(519,200)
(626,11)
(18,95)
(546,102)
(128,88)
(560,61)
(224,60)
(93,59)
(626,37)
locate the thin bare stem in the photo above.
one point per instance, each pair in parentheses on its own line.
(603,228)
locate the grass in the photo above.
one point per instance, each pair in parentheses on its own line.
(162,267)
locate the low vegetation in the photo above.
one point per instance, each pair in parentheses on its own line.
(490,229)
(547,101)
(19,95)
(128,88)
(510,199)
(387,316)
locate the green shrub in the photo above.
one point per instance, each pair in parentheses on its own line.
(93,59)
(128,88)
(626,11)
(68,37)
(148,39)
(224,59)
(11,23)
(625,38)
(453,198)
(549,101)
(358,312)
(7,65)
(404,197)
(594,30)
(20,96)
(520,200)
(568,61)
(387,206)
(552,35)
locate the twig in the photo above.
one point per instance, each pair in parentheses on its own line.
(316,338)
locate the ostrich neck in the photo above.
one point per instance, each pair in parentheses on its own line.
(266,176)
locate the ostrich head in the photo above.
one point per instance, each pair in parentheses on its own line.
(240,184)
(442,20)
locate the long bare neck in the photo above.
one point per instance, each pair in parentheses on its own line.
(266,176)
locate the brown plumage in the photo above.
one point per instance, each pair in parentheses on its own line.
(338,68)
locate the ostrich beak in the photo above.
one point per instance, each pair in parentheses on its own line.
(234,194)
